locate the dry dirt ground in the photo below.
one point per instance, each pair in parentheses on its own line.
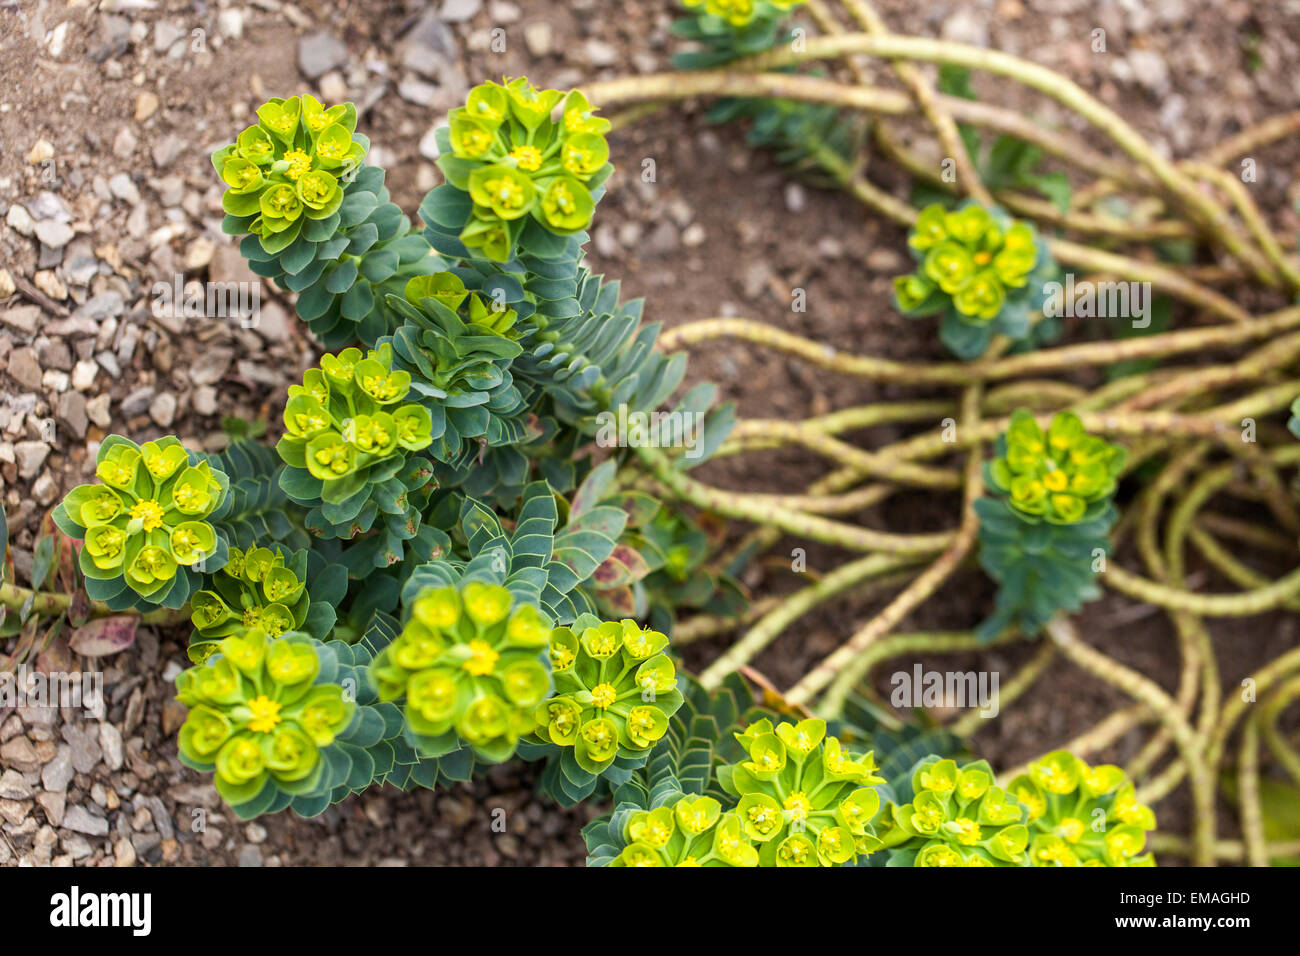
(108,111)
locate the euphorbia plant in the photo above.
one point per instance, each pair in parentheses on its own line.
(804,797)
(1081,815)
(491,568)
(147,528)
(956,816)
(984,272)
(1043,532)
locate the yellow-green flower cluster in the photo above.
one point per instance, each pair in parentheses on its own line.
(804,798)
(741,13)
(615,690)
(254,590)
(257,716)
(693,831)
(1081,815)
(524,163)
(290,166)
(1056,475)
(348,414)
(968,257)
(471,666)
(958,817)
(147,518)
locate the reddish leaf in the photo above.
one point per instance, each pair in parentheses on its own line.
(56,658)
(105,635)
(80,608)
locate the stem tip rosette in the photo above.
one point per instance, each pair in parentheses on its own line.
(261,716)
(803,797)
(470,665)
(350,445)
(147,529)
(982,270)
(1081,815)
(690,831)
(521,164)
(957,816)
(1043,535)
(615,691)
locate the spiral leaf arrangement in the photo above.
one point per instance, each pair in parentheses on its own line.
(1043,535)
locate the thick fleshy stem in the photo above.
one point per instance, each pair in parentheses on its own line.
(51,603)
(1251,813)
(792,608)
(925,583)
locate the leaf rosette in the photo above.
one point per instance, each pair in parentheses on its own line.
(147,527)
(470,665)
(1081,815)
(803,797)
(457,349)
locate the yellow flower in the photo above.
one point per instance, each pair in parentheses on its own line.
(266,714)
(299,163)
(603,695)
(527,158)
(482,659)
(149,513)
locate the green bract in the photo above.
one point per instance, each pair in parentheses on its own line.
(690,831)
(147,528)
(957,816)
(520,170)
(350,443)
(319,222)
(264,589)
(802,796)
(262,718)
(1081,815)
(729,29)
(984,271)
(471,666)
(615,690)
(1045,534)
(1057,475)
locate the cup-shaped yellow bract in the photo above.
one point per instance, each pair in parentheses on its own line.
(516,158)
(1057,474)
(255,590)
(147,521)
(957,816)
(742,15)
(294,164)
(803,798)
(689,831)
(615,689)
(971,257)
(1080,815)
(258,717)
(349,415)
(470,665)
